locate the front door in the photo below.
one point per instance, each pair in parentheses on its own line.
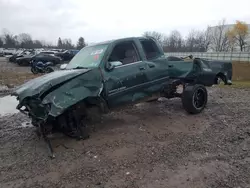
(123,83)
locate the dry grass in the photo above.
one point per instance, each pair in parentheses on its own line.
(237,84)
(15,78)
(241,71)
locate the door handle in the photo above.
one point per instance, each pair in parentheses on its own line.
(142,68)
(170,66)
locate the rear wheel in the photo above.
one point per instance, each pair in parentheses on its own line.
(34,70)
(49,69)
(20,63)
(194,98)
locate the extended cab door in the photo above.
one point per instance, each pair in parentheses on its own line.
(123,82)
(156,65)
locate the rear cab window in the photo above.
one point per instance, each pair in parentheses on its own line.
(150,49)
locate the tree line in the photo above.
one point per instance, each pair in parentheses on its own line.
(24,40)
(220,39)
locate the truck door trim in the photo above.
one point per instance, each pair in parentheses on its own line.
(139,85)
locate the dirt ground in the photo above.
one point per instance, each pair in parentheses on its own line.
(13,74)
(148,145)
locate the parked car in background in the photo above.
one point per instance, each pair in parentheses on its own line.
(67,55)
(45,56)
(18,55)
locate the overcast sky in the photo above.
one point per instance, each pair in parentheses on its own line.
(98,20)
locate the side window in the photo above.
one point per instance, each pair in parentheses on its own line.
(150,49)
(124,52)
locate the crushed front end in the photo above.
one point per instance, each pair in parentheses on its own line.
(39,115)
(35,109)
(56,102)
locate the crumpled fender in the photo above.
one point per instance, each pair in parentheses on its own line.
(41,84)
(74,91)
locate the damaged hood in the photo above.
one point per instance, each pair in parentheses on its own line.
(59,90)
(38,86)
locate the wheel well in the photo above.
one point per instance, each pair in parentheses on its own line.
(90,107)
(221,76)
(96,102)
(92,102)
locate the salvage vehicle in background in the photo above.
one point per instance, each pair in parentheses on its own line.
(109,75)
(25,60)
(67,55)
(19,54)
(44,56)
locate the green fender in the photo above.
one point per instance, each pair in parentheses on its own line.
(74,91)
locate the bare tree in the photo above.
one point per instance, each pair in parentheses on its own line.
(25,40)
(219,39)
(207,38)
(10,41)
(197,41)
(174,42)
(37,44)
(191,41)
(158,36)
(1,42)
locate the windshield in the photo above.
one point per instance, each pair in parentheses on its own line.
(88,57)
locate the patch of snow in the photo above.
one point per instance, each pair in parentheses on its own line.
(162,99)
(8,105)
(179,89)
(3,88)
(26,124)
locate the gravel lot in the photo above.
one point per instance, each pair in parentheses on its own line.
(149,145)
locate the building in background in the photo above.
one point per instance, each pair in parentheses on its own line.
(219,39)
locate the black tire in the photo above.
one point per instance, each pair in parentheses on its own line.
(194,98)
(152,100)
(49,69)
(34,70)
(72,125)
(20,63)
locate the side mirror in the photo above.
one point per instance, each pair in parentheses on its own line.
(63,66)
(113,64)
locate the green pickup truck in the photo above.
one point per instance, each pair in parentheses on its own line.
(108,75)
